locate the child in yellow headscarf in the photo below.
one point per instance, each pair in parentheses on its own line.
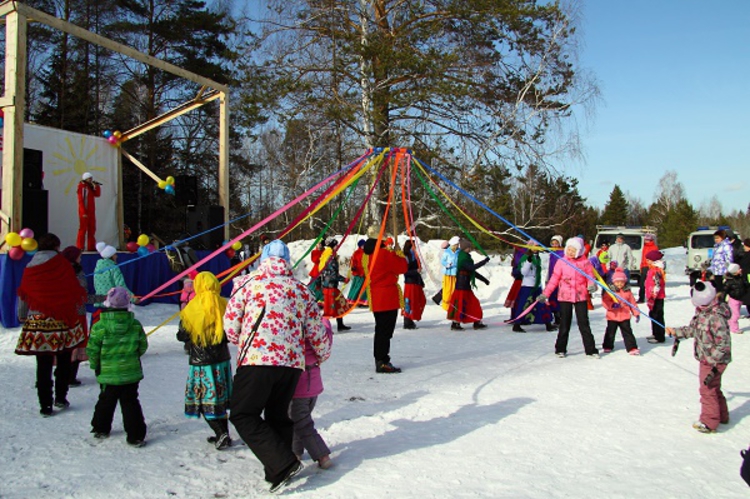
(209,383)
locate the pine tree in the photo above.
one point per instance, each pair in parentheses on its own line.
(616,210)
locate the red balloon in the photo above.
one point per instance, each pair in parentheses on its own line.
(16,253)
(132,246)
(230,253)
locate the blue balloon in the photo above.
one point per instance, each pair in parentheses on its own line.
(143,251)
(169,189)
(107,134)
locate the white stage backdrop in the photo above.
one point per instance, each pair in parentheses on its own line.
(66,156)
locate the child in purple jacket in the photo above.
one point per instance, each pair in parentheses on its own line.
(309,386)
(712,349)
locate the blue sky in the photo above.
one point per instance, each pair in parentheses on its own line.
(675,82)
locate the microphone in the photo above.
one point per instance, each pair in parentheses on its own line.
(95,182)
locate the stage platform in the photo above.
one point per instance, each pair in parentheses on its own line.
(141,276)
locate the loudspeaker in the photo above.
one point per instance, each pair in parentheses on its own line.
(35,214)
(201,218)
(186,190)
(33,163)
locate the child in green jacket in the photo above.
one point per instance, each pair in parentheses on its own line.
(115,348)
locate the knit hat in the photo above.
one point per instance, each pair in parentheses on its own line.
(389,241)
(654,255)
(117,297)
(361,243)
(332,242)
(86,176)
(71,253)
(100,246)
(454,240)
(559,239)
(276,248)
(619,275)
(576,243)
(702,294)
(464,244)
(444,245)
(733,268)
(619,236)
(264,239)
(649,237)
(107,251)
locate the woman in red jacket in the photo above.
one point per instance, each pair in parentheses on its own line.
(88,189)
(383,295)
(649,245)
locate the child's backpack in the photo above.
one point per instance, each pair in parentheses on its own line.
(180,258)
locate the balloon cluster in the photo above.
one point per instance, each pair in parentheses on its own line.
(230,252)
(167,185)
(113,138)
(21,243)
(142,246)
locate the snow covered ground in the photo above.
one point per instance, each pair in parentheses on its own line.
(474,414)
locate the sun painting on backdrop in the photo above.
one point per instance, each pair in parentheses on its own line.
(71,160)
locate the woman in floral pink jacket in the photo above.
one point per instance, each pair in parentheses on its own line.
(269,317)
(569,278)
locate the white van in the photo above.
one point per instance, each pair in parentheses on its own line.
(700,247)
(633,236)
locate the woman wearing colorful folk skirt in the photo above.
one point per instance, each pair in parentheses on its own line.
(315,286)
(209,383)
(530,267)
(450,270)
(414,299)
(334,303)
(357,278)
(464,306)
(49,297)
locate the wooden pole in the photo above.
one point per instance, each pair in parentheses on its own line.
(224,159)
(15,99)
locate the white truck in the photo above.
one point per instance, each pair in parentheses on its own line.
(633,236)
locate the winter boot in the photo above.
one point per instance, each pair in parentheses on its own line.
(409,324)
(74,381)
(340,325)
(221,428)
(480,325)
(518,329)
(551,327)
(456,326)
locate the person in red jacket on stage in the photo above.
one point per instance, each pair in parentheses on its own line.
(383,295)
(88,189)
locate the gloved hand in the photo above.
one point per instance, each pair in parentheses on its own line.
(637,319)
(541,299)
(710,376)
(615,306)
(486,259)
(483,279)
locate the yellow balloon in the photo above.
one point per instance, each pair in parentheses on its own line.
(162,184)
(170,180)
(237,246)
(142,240)
(117,134)
(13,239)
(29,244)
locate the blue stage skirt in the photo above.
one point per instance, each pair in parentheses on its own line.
(208,391)
(540,314)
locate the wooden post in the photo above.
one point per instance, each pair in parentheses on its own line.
(120,205)
(224,159)
(15,99)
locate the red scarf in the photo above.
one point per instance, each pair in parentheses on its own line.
(53,289)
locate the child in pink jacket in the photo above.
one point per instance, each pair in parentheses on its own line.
(618,314)
(572,277)
(309,386)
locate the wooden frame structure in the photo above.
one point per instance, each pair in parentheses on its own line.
(16,16)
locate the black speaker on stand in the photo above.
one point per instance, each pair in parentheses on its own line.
(186,190)
(33,169)
(35,211)
(201,218)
